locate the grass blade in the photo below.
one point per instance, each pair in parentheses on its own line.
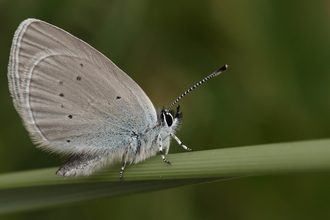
(41,188)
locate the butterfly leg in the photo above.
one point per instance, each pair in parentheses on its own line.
(180,143)
(123,167)
(122,171)
(160,144)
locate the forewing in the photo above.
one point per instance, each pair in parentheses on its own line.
(70,96)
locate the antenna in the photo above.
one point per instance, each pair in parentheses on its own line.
(199,83)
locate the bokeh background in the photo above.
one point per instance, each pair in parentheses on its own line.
(277,89)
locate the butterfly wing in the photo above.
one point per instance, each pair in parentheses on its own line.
(70,96)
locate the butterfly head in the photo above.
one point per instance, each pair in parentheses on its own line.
(170,118)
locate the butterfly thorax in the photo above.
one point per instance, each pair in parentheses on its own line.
(147,143)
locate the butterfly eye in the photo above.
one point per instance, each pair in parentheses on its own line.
(168,119)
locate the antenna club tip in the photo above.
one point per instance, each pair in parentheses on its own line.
(222,69)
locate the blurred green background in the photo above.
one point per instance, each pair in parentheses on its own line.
(277,89)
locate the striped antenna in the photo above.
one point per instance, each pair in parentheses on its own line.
(198,84)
